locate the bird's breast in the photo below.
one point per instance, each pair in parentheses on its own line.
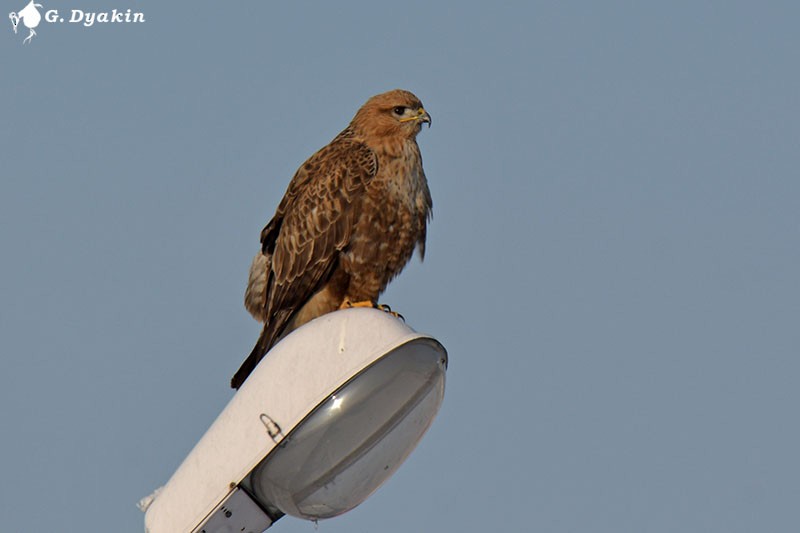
(391,220)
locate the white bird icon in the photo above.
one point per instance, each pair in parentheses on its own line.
(29,16)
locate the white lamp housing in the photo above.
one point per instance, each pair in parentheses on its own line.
(325,418)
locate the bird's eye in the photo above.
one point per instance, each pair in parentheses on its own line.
(399,110)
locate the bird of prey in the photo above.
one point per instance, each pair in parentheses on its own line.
(349,222)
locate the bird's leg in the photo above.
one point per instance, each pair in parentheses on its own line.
(347,304)
(29,37)
(386,309)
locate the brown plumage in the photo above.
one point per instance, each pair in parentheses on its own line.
(348,223)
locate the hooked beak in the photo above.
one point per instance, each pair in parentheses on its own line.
(423,116)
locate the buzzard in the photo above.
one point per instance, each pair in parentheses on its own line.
(349,222)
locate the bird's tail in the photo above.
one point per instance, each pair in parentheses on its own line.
(270,335)
(259,350)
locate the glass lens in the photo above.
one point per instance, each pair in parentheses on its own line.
(357,438)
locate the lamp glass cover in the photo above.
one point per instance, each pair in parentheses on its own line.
(356,439)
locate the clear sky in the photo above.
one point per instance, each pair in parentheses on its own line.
(612,263)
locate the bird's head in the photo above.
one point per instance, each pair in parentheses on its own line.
(396,113)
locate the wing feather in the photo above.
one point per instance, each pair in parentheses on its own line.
(312,224)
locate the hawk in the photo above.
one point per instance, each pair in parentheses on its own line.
(348,223)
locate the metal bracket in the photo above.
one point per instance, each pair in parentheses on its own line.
(273,429)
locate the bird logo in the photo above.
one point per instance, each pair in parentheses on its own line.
(29,16)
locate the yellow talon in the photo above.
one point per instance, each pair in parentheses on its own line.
(347,304)
(386,309)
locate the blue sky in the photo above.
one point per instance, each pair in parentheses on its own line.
(612,262)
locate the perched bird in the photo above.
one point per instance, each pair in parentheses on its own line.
(349,222)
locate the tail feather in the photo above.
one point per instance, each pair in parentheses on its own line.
(270,335)
(259,350)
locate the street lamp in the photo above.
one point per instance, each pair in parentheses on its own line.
(320,424)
